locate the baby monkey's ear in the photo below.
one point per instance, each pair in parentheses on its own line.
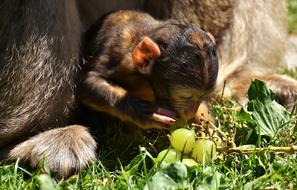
(145,54)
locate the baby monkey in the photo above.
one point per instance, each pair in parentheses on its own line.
(145,71)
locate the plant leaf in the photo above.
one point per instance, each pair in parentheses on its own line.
(212,182)
(269,115)
(259,91)
(172,177)
(133,166)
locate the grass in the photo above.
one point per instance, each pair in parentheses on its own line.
(292,19)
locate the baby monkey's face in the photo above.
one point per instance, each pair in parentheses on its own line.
(186,70)
(185,101)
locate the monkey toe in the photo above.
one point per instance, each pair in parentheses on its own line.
(65,151)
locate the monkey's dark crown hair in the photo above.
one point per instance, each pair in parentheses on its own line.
(183,62)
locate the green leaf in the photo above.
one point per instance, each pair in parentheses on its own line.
(161,181)
(259,91)
(212,182)
(133,166)
(177,171)
(172,177)
(245,116)
(269,116)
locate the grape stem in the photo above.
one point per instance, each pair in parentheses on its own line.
(216,129)
(247,150)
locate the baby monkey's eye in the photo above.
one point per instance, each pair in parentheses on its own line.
(186,96)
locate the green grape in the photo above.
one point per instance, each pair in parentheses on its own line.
(169,156)
(204,151)
(189,162)
(183,140)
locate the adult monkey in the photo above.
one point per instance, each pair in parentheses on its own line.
(39,51)
(39,47)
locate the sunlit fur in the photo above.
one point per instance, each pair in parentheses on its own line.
(250,40)
(253,45)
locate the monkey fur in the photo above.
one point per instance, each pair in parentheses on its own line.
(250,37)
(40,47)
(131,52)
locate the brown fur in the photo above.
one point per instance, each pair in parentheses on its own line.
(40,42)
(253,48)
(251,36)
(212,16)
(129,50)
(76,150)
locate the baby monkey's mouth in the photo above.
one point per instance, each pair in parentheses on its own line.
(164,116)
(166,112)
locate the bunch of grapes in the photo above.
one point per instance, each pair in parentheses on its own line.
(187,149)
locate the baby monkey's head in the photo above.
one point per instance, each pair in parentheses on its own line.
(182,64)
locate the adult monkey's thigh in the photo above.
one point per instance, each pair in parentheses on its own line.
(39,61)
(39,51)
